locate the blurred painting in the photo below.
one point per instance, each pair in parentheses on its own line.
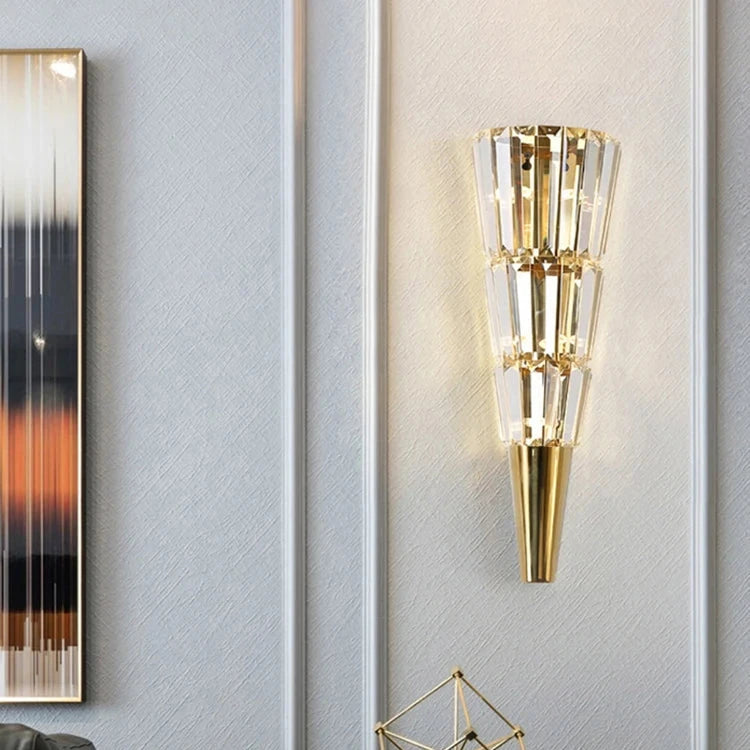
(41,178)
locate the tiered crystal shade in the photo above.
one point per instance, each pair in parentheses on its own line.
(545,195)
(545,190)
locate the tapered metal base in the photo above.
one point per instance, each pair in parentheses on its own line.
(539,475)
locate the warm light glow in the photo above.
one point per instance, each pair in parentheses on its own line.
(63,68)
(545,194)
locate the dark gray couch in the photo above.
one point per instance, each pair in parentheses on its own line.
(20,737)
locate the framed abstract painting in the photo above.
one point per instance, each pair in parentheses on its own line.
(41,374)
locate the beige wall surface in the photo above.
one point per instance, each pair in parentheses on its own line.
(184,370)
(733,178)
(601,657)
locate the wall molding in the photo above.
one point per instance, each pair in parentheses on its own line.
(704,427)
(293,318)
(375,362)
(704,702)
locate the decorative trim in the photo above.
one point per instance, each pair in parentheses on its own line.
(703,579)
(704,430)
(375,445)
(293,249)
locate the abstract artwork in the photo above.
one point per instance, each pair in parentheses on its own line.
(41,206)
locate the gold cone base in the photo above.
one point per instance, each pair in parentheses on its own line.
(539,475)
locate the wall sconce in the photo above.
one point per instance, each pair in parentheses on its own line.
(545,195)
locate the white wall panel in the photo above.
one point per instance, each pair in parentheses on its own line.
(184,450)
(601,657)
(335,158)
(733,102)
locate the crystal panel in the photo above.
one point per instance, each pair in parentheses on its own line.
(605,192)
(525,138)
(499,308)
(570,190)
(548,171)
(507,188)
(485,177)
(545,195)
(580,294)
(587,197)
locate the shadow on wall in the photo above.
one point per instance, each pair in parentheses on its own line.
(108,121)
(449,320)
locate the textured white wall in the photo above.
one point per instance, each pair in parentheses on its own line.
(335,158)
(733,101)
(183,598)
(601,657)
(184,431)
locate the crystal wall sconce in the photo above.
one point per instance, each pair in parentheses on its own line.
(496,730)
(544,194)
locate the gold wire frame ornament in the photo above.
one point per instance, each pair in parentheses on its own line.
(465,734)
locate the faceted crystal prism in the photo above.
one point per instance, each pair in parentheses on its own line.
(544,196)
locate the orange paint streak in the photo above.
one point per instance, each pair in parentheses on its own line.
(39,463)
(41,630)
(38,458)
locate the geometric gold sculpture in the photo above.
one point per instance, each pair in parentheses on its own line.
(464,734)
(544,195)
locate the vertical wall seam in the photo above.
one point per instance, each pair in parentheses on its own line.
(293,317)
(375,364)
(704,426)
